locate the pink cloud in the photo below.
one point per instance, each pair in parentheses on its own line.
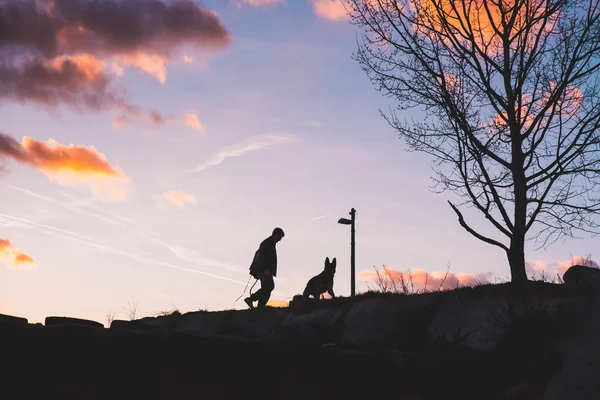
(419,280)
(174,198)
(541,268)
(70,165)
(332,10)
(257,3)
(13,256)
(193,121)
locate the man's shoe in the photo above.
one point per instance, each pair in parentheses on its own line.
(248,301)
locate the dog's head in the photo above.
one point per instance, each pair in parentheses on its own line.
(330,266)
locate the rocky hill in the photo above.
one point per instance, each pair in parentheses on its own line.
(537,341)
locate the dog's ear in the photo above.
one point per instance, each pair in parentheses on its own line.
(334,262)
(327,261)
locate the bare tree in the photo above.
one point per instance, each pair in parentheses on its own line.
(510,93)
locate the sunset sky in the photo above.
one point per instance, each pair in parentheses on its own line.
(146,165)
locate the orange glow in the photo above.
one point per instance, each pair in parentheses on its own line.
(13,256)
(76,165)
(278,303)
(480,18)
(54,157)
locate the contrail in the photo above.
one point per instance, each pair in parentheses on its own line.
(67,206)
(99,244)
(116,216)
(180,252)
(25,223)
(258,143)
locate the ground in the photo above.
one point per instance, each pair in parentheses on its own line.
(70,362)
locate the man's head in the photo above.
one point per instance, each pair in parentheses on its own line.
(278,234)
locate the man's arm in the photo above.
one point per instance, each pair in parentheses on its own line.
(269,258)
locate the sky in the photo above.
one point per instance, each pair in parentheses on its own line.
(144,165)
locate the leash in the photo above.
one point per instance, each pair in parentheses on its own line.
(252,287)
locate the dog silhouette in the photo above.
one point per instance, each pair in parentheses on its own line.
(317,285)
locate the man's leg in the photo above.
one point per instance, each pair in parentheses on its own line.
(266,287)
(254,296)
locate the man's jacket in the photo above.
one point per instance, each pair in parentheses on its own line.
(265,258)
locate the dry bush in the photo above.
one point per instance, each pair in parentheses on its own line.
(389,281)
(131,310)
(110,317)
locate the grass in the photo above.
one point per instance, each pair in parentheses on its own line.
(389,282)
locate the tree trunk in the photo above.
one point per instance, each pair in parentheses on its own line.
(516,259)
(516,252)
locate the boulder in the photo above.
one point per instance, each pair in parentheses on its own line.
(319,327)
(131,325)
(257,323)
(67,321)
(375,321)
(475,323)
(12,320)
(582,280)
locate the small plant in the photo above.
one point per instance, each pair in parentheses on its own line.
(164,313)
(132,310)
(110,317)
(388,280)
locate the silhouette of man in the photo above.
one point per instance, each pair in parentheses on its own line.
(264,267)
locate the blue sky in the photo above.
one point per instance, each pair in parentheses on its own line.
(291,137)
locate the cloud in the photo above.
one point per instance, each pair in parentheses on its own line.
(76,81)
(258,3)
(132,114)
(178,199)
(541,268)
(69,165)
(332,10)
(107,28)
(12,256)
(188,59)
(318,218)
(151,64)
(255,144)
(56,52)
(422,280)
(193,121)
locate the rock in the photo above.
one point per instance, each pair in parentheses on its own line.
(131,325)
(580,351)
(582,280)
(11,319)
(374,321)
(250,324)
(476,323)
(317,327)
(62,321)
